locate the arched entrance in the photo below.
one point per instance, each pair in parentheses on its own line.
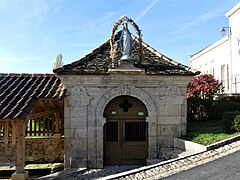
(125,132)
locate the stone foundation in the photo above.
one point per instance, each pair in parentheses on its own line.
(38,150)
(7,152)
(22,176)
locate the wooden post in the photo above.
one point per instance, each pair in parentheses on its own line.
(14,126)
(20,174)
(35,127)
(57,116)
(6,132)
(30,126)
(20,164)
(56,132)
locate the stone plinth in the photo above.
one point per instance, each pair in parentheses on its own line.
(126,68)
(20,176)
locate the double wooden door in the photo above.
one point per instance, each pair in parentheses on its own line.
(125,142)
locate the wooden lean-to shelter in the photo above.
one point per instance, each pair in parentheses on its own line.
(28,98)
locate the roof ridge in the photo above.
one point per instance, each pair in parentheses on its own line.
(92,64)
(28,74)
(90,54)
(156,52)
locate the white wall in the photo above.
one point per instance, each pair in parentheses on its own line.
(211,59)
(234,23)
(226,51)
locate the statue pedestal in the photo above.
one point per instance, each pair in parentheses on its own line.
(126,67)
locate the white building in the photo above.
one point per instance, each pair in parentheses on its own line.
(222,58)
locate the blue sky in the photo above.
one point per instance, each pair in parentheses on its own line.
(34,32)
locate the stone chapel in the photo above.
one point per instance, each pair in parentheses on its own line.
(125,102)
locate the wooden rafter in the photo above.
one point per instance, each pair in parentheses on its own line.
(43,113)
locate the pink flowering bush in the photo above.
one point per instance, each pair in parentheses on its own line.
(203,86)
(200,92)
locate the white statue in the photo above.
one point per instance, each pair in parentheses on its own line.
(126,43)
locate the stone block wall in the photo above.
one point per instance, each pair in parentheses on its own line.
(88,95)
(7,152)
(38,150)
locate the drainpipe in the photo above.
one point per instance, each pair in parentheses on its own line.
(230,64)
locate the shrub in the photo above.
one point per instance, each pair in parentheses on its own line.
(220,107)
(231,121)
(200,92)
(236,123)
(203,86)
(198,109)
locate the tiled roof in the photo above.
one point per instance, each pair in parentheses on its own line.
(99,62)
(19,92)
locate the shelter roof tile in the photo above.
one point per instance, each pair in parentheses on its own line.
(18,92)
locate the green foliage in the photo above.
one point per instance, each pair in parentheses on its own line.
(203,86)
(198,109)
(206,132)
(220,107)
(200,92)
(231,121)
(236,123)
(227,119)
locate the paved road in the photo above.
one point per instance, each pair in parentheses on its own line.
(227,168)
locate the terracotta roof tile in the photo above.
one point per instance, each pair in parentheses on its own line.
(19,92)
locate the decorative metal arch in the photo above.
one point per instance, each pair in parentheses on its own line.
(112,41)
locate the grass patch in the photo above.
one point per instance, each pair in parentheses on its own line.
(207,132)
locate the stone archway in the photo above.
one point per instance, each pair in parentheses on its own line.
(152,119)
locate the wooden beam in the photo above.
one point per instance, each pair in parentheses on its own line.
(42,104)
(20,146)
(6,132)
(57,122)
(41,114)
(35,126)
(49,99)
(14,127)
(52,104)
(31,128)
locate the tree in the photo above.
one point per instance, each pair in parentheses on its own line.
(200,93)
(58,63)
(203,86)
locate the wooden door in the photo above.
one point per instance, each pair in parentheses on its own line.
(112,148)
(125,132)
(134,142)
(125,142)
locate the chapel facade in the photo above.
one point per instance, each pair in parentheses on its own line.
(125,102)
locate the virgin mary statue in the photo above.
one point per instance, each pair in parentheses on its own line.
(126,43)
